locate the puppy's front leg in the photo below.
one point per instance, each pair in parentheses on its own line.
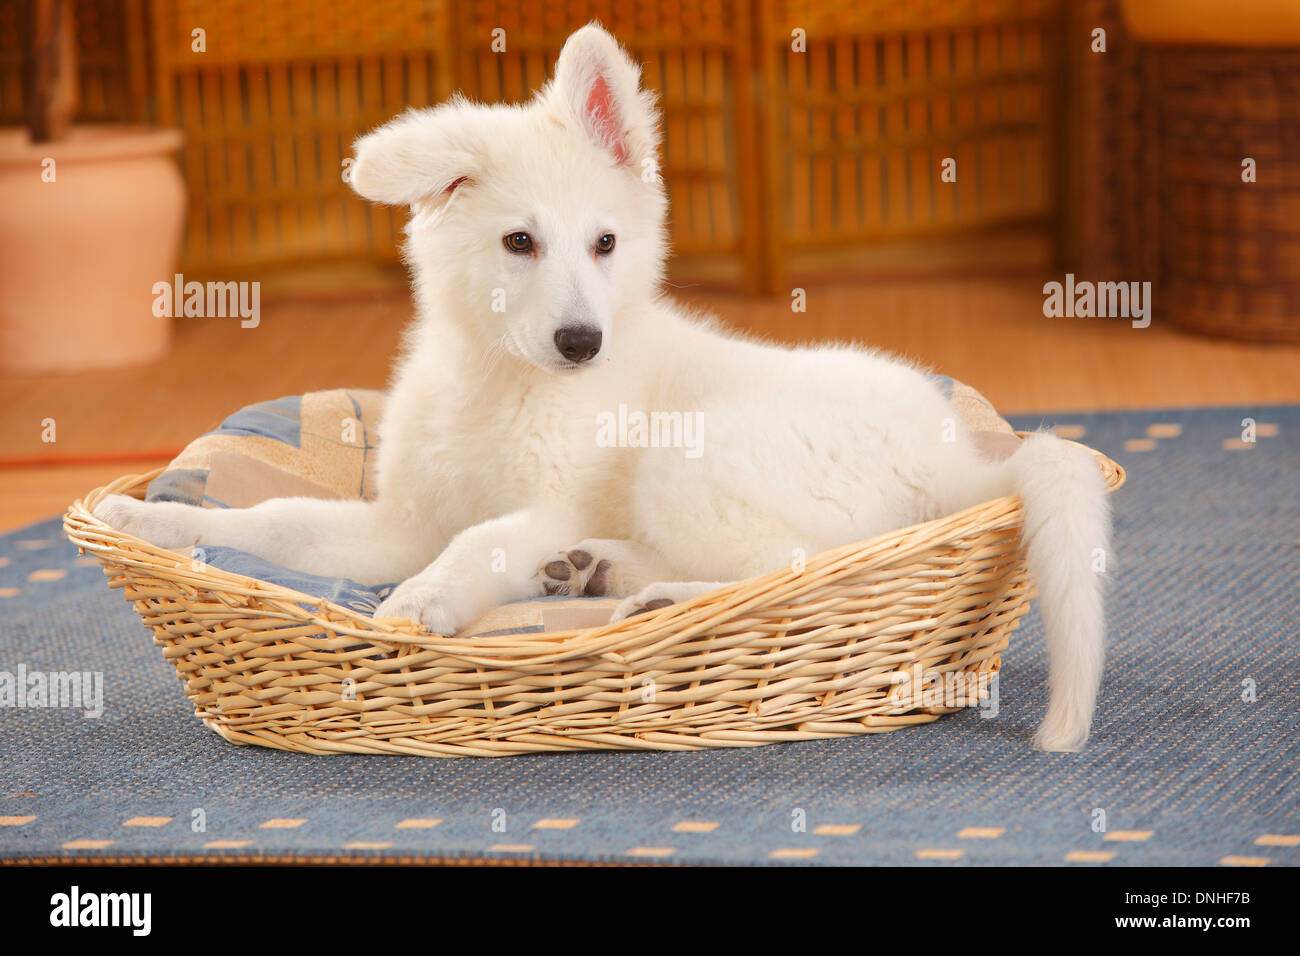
(491,563)
(368,541)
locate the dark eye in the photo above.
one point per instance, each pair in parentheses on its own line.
(519,242)
(605,244)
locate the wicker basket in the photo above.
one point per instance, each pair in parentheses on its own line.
(1155,170)
(829,650)
(1231,250)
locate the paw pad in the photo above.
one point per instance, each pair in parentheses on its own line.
(576,573)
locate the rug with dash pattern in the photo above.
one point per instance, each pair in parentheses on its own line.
(1194,760)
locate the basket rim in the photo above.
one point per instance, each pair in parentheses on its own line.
(95,537)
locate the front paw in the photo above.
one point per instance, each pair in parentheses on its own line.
(650,598)
(426,604)
(165,524)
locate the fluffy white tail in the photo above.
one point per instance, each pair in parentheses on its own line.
(1067,543)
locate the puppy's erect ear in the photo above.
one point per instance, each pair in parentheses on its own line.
(421,155)
(597,86)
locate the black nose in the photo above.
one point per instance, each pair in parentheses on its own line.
(578,343)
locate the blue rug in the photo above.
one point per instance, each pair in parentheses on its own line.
(1194,758)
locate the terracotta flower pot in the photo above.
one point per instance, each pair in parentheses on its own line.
(82,242)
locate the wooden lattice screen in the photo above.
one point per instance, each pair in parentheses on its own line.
(796,132)
(270,108)
(860,120)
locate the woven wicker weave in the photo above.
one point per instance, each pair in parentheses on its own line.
(1231,250)
(794,655)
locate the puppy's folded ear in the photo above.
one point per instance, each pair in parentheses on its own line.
(597,87)
(420,156)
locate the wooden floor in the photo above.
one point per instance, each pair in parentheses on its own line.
(990,333)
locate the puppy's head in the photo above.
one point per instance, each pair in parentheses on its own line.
(534,224)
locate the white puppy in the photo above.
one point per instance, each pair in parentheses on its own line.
(537,245)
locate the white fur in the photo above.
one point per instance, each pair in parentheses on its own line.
(489,449)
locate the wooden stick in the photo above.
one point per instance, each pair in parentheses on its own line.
(49,68)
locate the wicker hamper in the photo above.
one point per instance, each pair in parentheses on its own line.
(869,637)
(1155,165)
(1231,249)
